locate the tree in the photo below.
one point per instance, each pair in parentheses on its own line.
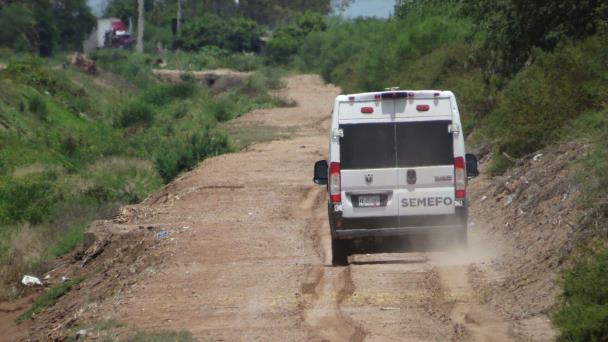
(121,9)
(18,27)
(287,40)
(237,34)
(179,14)
(276,12)
(74,21)
(39,26)
(515,27)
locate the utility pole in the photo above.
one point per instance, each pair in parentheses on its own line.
(139,47)
(179,15)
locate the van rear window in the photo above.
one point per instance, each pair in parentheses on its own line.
(403,144)
(426,143)
(367,146)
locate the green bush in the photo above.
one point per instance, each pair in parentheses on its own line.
(583,315)
(235,34)
(513,29)
(133,66)
(590,125)
(551,93)
(273,77)
(136,112)
(123,180)
(162,94)
(282,47)
(222,109)
(420,50)
(243,62)
(37,107)
(177,155)
(286,41)
(27,199)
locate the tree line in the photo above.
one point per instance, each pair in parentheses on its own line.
(45,26)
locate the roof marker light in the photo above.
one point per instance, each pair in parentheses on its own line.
(351,98)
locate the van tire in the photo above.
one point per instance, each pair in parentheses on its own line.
(339,252)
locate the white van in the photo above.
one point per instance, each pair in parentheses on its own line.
(397,166)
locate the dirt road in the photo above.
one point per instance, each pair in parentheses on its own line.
(247,254)
(239,250)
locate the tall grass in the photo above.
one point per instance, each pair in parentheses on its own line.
(584,312)
(73,148)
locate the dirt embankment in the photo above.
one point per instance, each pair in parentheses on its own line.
(212,78)
(537,215)
(238,249)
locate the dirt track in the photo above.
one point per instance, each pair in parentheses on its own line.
(247,255)
(251,259)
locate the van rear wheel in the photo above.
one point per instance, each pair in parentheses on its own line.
(339,252)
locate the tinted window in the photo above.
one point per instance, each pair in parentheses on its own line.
(424,144)
(367,146)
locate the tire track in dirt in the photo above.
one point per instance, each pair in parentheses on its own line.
(472,320)
(479,323)
(325,288)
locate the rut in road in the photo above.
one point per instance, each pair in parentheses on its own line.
(247,253)
(326,287)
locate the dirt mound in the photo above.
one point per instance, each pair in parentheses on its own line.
(212,78)
(535,210)
(116,255)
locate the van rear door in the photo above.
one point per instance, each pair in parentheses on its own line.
(425,167)
(369,173)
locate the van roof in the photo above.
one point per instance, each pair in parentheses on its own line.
(395,94)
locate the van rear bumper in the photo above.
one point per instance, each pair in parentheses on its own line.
(351,228)
(401,231)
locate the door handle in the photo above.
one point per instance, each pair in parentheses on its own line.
(411,176)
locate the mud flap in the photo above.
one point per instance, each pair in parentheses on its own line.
(340,250)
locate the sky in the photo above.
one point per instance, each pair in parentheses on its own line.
(367,8)
(96,6)
(370,8)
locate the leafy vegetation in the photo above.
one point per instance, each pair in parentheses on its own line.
(515,28)
(75,147)
(43,26)
(584,316)
(235,34)
(286,40)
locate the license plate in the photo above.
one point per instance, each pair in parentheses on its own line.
(369,201)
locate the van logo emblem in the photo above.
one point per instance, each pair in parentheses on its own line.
(369,178)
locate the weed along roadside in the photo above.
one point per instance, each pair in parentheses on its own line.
(76,147)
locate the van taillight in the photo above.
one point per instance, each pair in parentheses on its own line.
(460,179)
(334,183)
